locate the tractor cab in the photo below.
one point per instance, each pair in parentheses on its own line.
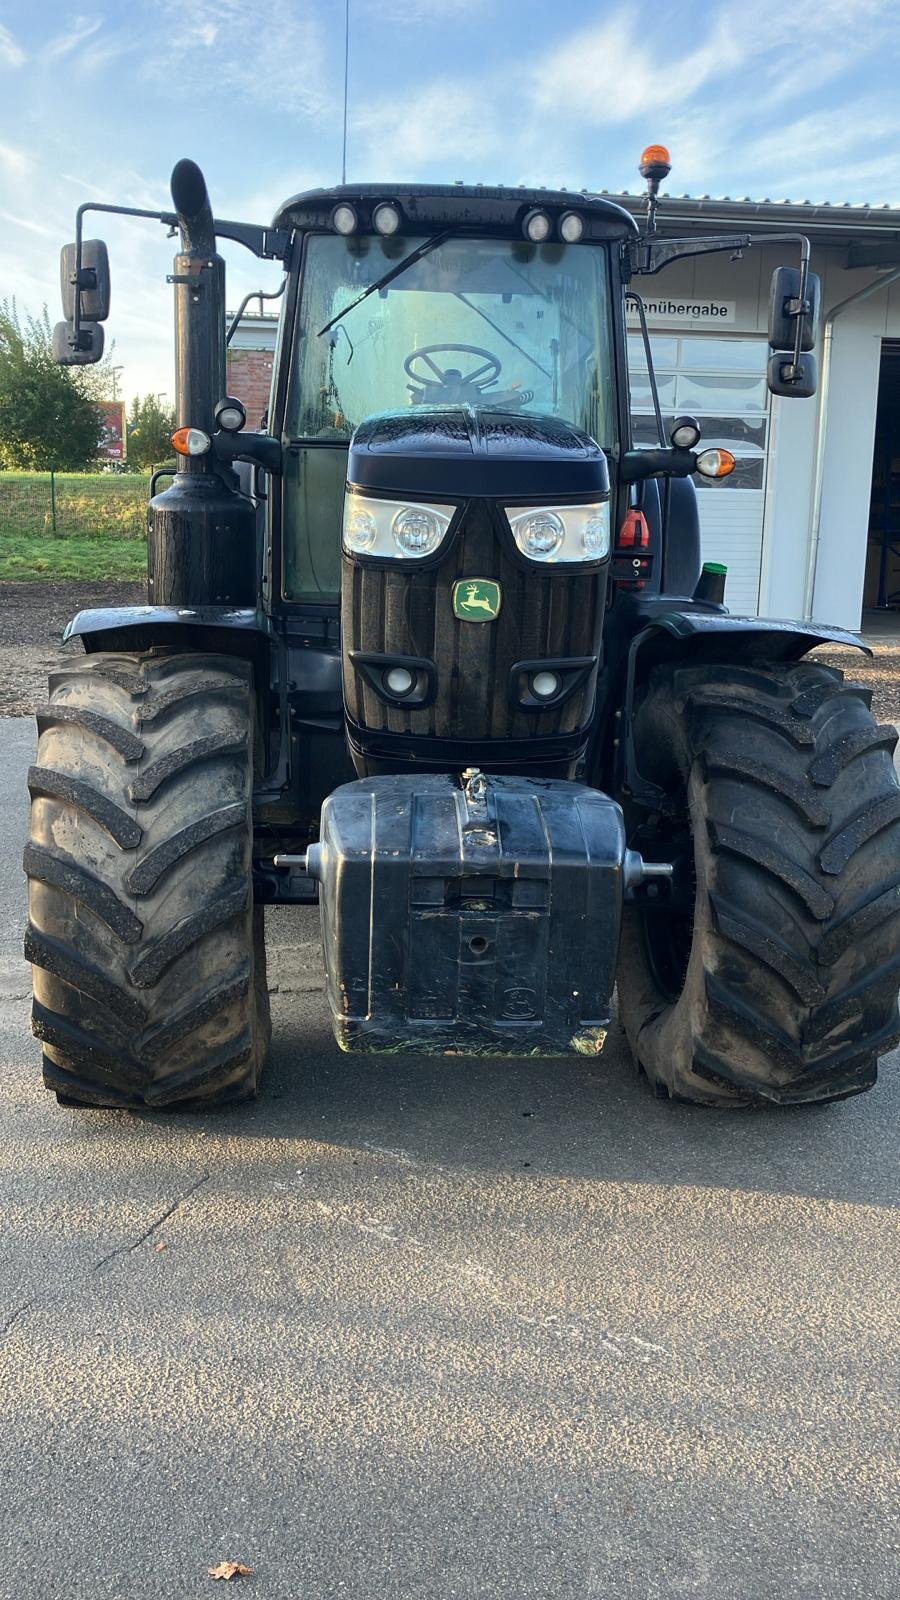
(472,303)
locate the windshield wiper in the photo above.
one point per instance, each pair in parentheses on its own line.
(418,254)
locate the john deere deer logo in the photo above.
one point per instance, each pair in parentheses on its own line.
(476,599)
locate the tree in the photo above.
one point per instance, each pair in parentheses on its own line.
(47,416)
(150,429)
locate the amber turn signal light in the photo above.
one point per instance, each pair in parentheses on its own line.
(715,463)
(191,441)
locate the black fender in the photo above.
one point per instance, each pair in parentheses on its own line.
(668,632)
(231,630)
(707,630)
(238,630)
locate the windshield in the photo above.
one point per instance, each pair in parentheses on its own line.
(502,324)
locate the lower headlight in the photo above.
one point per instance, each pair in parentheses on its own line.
(417,530)
(539,534)
(393,529)
(561,533)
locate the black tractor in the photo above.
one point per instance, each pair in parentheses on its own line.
(435,647)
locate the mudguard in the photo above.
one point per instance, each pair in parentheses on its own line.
(709,628)
(700,633)
(142,627)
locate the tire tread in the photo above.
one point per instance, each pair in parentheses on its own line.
(147,951)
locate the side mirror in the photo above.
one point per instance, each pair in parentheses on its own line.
(784,310)
(93,280)
(789,378)
(77,350)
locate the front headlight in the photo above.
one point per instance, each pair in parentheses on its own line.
(561,533)
(393,528)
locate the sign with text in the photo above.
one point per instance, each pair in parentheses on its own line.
(665,309)
(113,437)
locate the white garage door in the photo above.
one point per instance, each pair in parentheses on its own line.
(721,382)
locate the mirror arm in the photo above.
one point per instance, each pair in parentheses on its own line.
(636,465)
(648,256)
(651,255)
(168,217)
(261,449)
(269,244)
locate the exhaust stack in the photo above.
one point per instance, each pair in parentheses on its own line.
(202,531)
(199,280)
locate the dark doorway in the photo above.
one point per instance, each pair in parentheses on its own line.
(882,590)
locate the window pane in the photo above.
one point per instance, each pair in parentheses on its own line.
(642,399)
(743,434)
(314,491)
(702,393)
(539,312)
(643,429)
(724,355)
(664,352)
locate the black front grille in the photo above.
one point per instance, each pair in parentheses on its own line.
(543,615)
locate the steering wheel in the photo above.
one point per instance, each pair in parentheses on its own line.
(480,377)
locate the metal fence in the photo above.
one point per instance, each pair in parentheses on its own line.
(74,505)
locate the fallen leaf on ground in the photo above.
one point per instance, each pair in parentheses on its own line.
(229,1570)
(161,1245)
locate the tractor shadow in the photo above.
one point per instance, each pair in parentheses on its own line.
(579,1119)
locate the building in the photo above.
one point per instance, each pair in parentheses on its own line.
(809,523)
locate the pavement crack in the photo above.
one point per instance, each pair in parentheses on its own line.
(13,1318)
(134,1244)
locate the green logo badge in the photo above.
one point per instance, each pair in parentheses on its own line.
(476,600)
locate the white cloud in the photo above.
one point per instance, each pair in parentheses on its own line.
(15,162)
(814,143)
(97,57)
(612,73)
(29,224)
(63,44)
(534,118)
(289,70)
(11,54)
(400,135)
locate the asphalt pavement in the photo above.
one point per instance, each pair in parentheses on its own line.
(450,1329)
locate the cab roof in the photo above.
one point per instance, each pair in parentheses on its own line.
(450,205)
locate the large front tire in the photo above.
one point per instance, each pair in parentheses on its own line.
(774,975)
(148,954)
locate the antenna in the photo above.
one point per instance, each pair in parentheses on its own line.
(346,86)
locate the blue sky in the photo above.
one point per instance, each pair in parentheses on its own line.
(757,97)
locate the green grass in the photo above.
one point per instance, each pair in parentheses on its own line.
(89,505)
(100,532)
(30,558)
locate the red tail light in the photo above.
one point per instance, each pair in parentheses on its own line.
(634,533)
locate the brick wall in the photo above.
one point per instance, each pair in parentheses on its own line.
(249,374)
